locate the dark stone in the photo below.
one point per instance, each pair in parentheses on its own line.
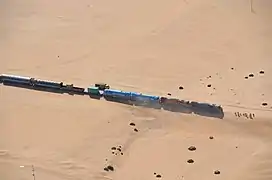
(264,104)
(122,153)
(211,137)
(246,77)
(209,85)
(190,161)
(261,72)
(216,172)
(251,75)
(158,176)
(110,168)
(192,148)
(119,149)
(113,148)
(132,124)
(180,87)
(232,68)
(169,94)
(136,130)
(106,169)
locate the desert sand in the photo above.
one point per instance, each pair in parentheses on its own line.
(145,46)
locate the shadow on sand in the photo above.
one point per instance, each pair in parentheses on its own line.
(194,108)
(201,109)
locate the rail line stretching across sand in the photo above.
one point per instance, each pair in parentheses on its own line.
(101,90)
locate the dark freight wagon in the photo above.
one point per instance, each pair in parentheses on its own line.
(48,84)
(11,79)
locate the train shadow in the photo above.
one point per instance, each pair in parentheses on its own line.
(198,109)
(118,100)
(209,112)
(152,105)
(177,108)
(97,97)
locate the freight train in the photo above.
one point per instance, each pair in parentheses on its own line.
(103,90)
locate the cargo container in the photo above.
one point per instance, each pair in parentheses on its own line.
(149,101)
(122,95)
(134,96)
(144,98)
(93,91)
(15,79)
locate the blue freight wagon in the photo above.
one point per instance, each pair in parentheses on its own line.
(117,94)
(144,97)
(139,99)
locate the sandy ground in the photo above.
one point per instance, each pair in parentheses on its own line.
(146,46)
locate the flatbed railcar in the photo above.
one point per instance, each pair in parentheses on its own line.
(71,89)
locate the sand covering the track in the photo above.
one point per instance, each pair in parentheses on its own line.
(145,46)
